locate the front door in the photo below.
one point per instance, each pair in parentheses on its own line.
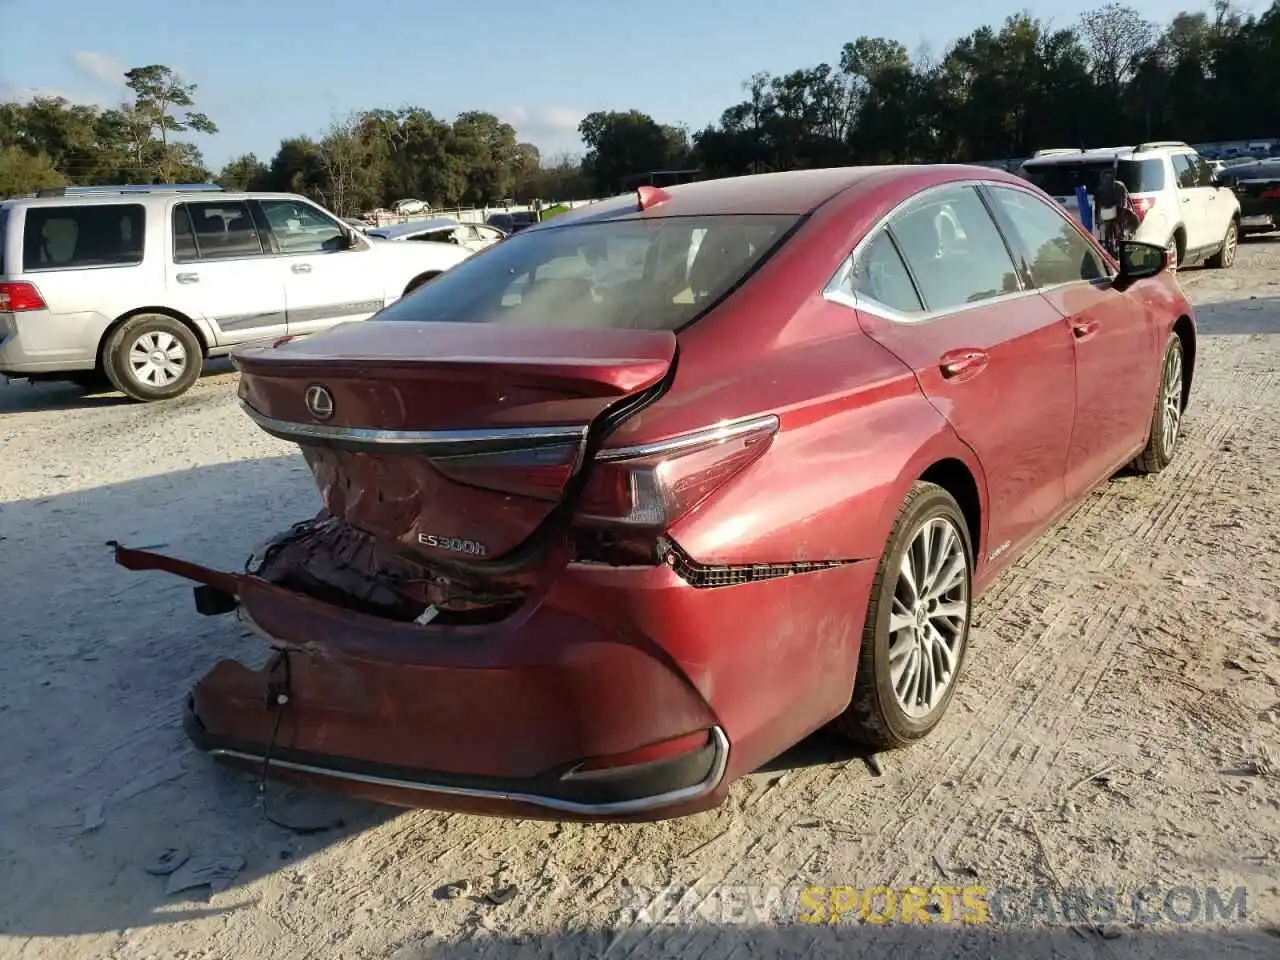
(325,281)
(1112,335)
(1193,201)
(937,287)
(219,269)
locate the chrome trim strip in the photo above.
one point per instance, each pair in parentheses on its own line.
(698,438)
(618,808)
(833,292)
(436,442)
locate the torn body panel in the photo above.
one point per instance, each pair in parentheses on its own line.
(496,716)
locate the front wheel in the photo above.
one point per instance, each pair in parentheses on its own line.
(1226,256)
(917,627)
(153,357)
(1166,418)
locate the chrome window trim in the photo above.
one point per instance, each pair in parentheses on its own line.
(428,442)
(833,293)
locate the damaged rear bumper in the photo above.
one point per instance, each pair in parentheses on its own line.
(545,715)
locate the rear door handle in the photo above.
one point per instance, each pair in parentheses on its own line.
(962,364)
(1085,329)
(301,268)
(188,278)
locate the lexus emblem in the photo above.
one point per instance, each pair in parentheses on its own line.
(319,402)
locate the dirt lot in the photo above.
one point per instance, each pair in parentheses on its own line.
(1119,726)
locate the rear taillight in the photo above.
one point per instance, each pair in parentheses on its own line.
(1271,193)
(651,486)
(19,297)
(1142,206)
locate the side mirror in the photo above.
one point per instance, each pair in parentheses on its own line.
(1140,261)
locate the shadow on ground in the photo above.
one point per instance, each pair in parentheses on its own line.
(21,396)
(1257,316)
(851,939)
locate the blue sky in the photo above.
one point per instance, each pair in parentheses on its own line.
(268,70)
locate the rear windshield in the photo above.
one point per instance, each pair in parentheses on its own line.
(89,235)
(650,274)
(1061,179)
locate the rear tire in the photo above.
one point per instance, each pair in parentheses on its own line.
(1166,418)
(1174,249)
(1225,258)
(153,357)
(917,627)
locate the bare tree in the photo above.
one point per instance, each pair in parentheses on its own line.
(1116,37)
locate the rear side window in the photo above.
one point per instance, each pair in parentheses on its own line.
(640,274)
(954,250)
(4,237)
(1061,179)
(91,235)
(214,231)
(880,275)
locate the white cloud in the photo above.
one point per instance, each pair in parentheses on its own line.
(14,94)
(100,67)
(546,123)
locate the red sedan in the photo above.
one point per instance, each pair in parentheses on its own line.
(620,509)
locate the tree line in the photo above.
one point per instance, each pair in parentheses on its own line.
(999,93)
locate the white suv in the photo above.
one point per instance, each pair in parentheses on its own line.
(1176,192)
(136,286)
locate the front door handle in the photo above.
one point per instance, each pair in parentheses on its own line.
(1084,329)
(959,365)
(301,268)
(188,278)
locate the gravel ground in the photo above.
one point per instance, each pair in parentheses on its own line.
(1119,725)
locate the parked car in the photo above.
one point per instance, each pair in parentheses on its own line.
(1256,185)
(410,208)
(1176,194)
(135,288)
(560,574)
(472,236)
(510,223)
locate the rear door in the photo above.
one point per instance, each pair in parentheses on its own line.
(937,286)
(325,281)
(218,269)
(1112,335)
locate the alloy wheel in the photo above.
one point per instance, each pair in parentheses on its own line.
(1171,397)
(928,618)
(157,358)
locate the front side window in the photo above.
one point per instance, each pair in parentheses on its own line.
(1185,170)
(300,228)
(218,230)
(91,235)
(1056,250)
(953,248)
(643,274)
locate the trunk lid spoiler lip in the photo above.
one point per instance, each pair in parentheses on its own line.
(440,443)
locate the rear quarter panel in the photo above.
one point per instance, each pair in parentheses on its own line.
(856,433)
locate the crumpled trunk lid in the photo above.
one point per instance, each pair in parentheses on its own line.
(453,442)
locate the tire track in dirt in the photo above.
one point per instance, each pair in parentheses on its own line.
(1088,662)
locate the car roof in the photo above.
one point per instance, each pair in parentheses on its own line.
(413,226)
(141,196)
(794,192)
